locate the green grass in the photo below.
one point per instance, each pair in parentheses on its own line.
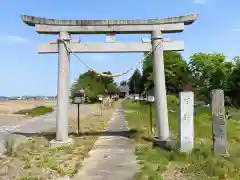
(37,111)
(201,163)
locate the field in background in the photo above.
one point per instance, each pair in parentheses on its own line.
(11,106)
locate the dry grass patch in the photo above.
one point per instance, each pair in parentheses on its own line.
(34,159)
(37,111)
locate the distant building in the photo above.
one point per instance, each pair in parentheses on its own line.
(14,98)
(3,98)
(123,91)
(52,97)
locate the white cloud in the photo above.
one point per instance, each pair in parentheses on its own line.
(18,39)
(199,1)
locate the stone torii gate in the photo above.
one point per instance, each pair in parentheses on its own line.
(64,28)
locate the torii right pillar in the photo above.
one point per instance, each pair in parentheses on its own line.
(160,86)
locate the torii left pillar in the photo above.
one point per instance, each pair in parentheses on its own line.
(63,93)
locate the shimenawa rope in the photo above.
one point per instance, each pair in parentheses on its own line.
(110,75)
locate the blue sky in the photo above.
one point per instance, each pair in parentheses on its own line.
(24,72)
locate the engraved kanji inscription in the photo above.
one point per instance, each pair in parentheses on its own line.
(219,122)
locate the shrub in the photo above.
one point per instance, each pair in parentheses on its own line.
(37,111)
(172,100)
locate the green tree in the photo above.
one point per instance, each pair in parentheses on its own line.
(147,73)
(234,83)
(112,88)
(123,83)
(176,72)
(135,82)
(210,71)
(106,80)
(93,85)
(204,72)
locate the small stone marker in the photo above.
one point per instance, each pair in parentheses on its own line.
(186,129)
(219,122)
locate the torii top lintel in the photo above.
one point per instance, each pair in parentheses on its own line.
(52,25)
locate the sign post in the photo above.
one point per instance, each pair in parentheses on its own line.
(150,99)
(78,99)
(101,104)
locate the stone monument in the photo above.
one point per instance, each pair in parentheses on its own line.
(64,29)
(219,122)
(186,124)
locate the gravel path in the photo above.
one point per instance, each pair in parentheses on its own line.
(112,157)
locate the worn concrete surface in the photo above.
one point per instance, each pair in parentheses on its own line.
(9,119)
(112,157)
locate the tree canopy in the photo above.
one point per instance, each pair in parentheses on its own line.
(123,83)
(204,72)
(94,85)
(135,82)
(176,72)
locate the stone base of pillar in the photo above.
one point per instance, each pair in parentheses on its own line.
(54,143)
(169,144)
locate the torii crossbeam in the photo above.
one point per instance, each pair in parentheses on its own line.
(64,28)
